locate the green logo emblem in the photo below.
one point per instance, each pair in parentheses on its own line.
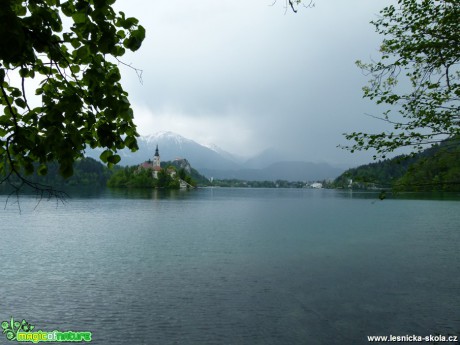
(12,328)
(23,332)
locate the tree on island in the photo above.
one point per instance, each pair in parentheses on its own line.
(417,76)
(139,177)
(79,101)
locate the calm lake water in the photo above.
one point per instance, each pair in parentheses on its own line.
(232,266)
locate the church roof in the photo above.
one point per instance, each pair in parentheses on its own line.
(146,165)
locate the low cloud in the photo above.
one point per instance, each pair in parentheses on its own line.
(246,76)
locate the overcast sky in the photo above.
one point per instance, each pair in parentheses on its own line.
(248,76)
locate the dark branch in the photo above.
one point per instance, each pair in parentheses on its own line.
(292,6)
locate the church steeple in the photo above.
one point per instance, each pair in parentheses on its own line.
(156,158)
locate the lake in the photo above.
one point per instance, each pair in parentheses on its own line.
(232,266)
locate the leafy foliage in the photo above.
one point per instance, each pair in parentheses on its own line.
(439,170)
(79,100)
(417,76)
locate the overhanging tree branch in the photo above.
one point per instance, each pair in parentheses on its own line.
(82,100)
(421,39)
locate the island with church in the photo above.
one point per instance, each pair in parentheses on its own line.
(154,173)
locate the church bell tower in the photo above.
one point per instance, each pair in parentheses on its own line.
(156,158)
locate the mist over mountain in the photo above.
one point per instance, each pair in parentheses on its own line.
(213,161)
(264,159)
(172,146)
(290,171)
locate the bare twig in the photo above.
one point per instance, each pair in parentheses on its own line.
(292,3)
(137,70)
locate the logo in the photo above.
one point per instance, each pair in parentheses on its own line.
(24,332)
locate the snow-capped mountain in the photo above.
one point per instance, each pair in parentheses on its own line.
(225,154)
(167,137)
(172,146)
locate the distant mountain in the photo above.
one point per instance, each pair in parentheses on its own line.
(172,146)
(229,156)
(212,161)
(264,159)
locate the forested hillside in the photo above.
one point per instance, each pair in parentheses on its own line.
(435,169)
(86,172)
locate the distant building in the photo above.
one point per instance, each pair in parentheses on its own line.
(156,158)
(154,165)
(317,185)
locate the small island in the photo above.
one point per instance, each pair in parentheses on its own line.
(155,174)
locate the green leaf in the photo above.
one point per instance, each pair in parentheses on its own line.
(129,22)
(23,72)
(118,51)
(74,68)
(82,52)
(79,17)
(16,93)
(114,159)
(106,155)
(75,42)
(21,11)
(20,103)
(121,33)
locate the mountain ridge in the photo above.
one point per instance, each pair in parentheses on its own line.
(213,161)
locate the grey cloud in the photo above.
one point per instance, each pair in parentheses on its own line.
(290,78)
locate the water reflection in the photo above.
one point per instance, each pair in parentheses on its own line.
(155,194)
(91,192)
